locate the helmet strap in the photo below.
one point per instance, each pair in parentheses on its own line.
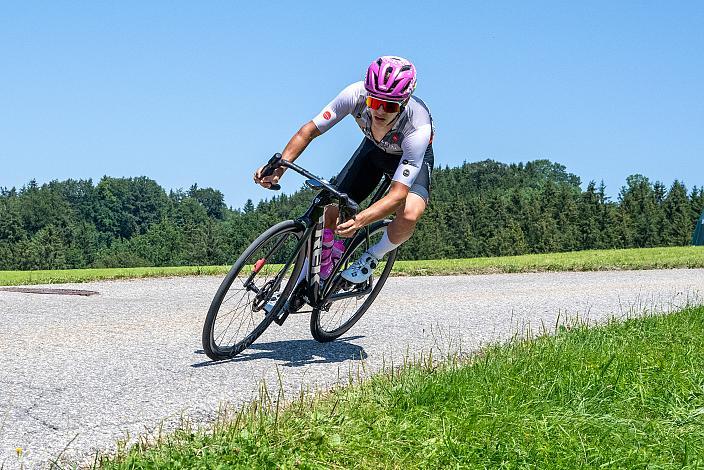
(403,105)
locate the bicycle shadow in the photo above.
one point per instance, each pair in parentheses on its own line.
(298,352)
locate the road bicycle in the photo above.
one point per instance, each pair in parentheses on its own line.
(261,286)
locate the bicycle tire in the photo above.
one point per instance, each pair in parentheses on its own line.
(318,329)
(211,346)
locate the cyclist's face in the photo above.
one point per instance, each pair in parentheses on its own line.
(382,117)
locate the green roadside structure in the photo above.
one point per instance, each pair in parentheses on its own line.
(698,237)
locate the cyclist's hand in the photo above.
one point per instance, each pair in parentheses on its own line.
(267,181)
(348,228)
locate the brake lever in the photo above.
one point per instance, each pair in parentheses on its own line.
(349,209)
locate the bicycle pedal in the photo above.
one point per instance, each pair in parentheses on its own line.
(268,307)
(345,285)
(363,287)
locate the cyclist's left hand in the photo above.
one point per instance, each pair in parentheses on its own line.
(267,181)
(348,228)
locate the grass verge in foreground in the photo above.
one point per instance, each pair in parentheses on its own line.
(623,395)
(592,260)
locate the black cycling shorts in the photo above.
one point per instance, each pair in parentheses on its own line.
(369,163)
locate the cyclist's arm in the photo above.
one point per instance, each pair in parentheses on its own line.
(300,141)
(385,206)
(331,114)
(292,151)
(413,146)
(338,108)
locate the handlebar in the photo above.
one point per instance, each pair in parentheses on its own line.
(277,161)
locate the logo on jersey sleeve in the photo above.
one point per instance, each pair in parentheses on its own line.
(327,115)
(406,172)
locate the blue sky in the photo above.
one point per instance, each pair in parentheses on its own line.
(204,92)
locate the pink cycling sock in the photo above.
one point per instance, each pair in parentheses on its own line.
(330,256)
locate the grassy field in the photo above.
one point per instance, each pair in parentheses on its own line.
(593,260)
(623,395)
(16,278)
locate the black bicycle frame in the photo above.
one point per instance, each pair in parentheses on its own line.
(313,221)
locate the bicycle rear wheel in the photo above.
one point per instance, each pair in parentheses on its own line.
(338,316)
(237,314)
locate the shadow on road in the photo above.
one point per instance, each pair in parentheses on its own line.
(299,352)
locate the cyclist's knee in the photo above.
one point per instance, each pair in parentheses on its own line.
(412,209)
(331,214)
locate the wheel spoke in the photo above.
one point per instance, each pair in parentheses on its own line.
(233,316)
(235,323)
(343,313)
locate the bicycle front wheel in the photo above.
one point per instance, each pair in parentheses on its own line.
(254,291)
(348,302)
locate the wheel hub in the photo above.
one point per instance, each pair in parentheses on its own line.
(263,296)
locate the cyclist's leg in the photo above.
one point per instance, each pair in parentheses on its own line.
(331,215)
(358,178)
(404,224)
(401,228)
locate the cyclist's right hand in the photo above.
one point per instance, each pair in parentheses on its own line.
(267,181)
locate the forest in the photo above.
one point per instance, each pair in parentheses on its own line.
(484,208)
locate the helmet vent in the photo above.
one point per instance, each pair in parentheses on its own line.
(378,62)
(388,72)
(404,68)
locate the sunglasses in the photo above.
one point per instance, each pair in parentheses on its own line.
(389,106)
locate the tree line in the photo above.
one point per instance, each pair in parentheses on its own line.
(482,208)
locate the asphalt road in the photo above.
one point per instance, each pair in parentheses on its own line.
(79,373)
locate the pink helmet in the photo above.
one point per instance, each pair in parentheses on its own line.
(390,78)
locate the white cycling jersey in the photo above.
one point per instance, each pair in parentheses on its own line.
(409,136)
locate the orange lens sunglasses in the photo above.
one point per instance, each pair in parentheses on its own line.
(389,106)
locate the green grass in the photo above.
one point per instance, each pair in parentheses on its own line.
(592,260)
(15,278)
(589,260)
(624,395)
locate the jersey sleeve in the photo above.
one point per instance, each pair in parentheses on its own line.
(338,108)
(414,147)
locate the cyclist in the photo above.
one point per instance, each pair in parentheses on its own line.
(398,132)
